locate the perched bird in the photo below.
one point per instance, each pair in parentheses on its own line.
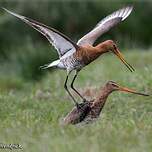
(90,110)
(75,56)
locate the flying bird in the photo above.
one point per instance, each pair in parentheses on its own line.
(75,56)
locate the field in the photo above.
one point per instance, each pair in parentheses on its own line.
(31,112)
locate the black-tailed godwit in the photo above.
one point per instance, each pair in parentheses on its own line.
(90,110)
(75,56)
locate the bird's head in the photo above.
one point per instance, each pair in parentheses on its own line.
(111,46)
(113,86)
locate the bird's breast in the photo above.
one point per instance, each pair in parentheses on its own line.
(87,55)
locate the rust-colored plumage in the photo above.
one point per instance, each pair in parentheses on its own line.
(86,54)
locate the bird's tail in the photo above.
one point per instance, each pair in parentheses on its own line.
(53,64)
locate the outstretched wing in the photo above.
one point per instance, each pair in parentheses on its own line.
(61,42)
(105,25)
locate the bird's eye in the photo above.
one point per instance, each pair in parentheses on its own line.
(114,85)
(114,46)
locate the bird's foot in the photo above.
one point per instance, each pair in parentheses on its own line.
(79,107)
(85,100)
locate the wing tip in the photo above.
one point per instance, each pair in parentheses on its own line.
(3,8)
(127,11)
(12,13)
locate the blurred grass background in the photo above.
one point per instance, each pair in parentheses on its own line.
(33,102)
(31,114)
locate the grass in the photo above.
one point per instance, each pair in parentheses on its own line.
(30,113)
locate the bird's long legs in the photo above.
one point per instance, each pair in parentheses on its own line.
(66,88)
(72,86)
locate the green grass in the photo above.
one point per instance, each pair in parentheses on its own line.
(30,113)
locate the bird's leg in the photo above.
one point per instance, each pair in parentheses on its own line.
(72,86)
(66,88)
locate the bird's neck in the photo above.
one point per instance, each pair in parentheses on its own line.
(99,102)
(103,94)
(91,53)
(102,48)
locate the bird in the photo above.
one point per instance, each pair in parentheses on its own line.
(75,56)
(90,110)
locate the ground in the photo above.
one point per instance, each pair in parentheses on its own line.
(31,113)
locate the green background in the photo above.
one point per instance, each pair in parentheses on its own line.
(33,102)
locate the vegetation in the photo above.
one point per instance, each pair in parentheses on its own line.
(33,102)
(31,113)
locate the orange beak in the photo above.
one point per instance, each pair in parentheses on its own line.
(120,56)
(131,91)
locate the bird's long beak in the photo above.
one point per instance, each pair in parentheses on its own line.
(124,89)
(120,56)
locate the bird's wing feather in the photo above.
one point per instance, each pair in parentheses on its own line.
(105,25)
(60,41)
